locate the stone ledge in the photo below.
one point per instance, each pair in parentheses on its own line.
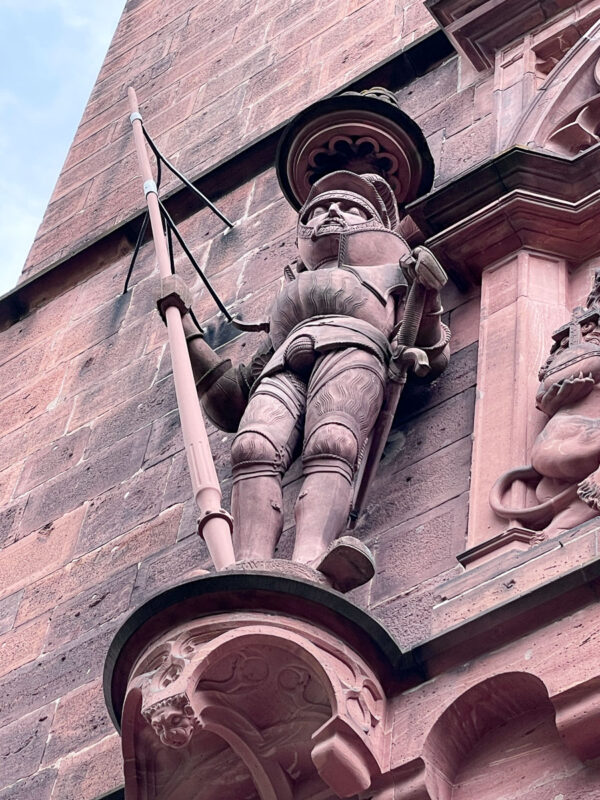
(519,199)
(528,609)
(231,592)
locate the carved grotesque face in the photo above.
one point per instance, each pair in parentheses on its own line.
(173,726)
(590,332)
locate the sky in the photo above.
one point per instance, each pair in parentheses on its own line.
(50,54)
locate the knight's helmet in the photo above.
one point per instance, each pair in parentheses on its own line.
(358,147)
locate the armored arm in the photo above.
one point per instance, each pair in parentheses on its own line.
(433,337)
(223,388)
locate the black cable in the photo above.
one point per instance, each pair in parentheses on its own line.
(170,244)
(194,263)
(195,320)
(158,170)
(138,244)
(169,228)
(142,232)
(159,157)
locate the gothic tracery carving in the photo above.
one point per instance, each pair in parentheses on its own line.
(564,114)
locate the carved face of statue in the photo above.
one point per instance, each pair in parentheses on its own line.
(326,217)
(333,216)
(173,726)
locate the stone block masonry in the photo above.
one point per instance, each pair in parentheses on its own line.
(211,77)
(97,513)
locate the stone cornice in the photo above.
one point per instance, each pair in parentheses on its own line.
(477,30)
(519,199)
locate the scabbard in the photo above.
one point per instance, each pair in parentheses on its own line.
(407,336)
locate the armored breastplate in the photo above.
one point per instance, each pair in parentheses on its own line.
(330,292)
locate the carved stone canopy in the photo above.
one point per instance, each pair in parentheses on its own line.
(360,132)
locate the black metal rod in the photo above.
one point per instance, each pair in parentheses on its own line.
(189,184)
(195,264)
(170,245)
(142,233)
(138,244)
(195,320)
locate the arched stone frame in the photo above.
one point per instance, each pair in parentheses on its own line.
(430,752)
(522,224)
(173,677)
(564,114)
(525,67)
(474,713)
(499,700)
(527,272)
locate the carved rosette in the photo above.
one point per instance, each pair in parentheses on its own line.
(362,132)
(278,706)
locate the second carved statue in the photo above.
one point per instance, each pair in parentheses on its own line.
(565,457)
(318,385)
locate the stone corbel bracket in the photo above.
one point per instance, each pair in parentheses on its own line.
(273,701)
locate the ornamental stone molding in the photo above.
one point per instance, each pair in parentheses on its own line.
(479,29)
(521,199)
(564,114)
(260,687)
(523,225)
(249,702)
(284,698)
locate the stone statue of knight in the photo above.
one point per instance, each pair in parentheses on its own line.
(317,387)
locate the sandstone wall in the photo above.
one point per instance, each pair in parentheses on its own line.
(212,76)
(96,513)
